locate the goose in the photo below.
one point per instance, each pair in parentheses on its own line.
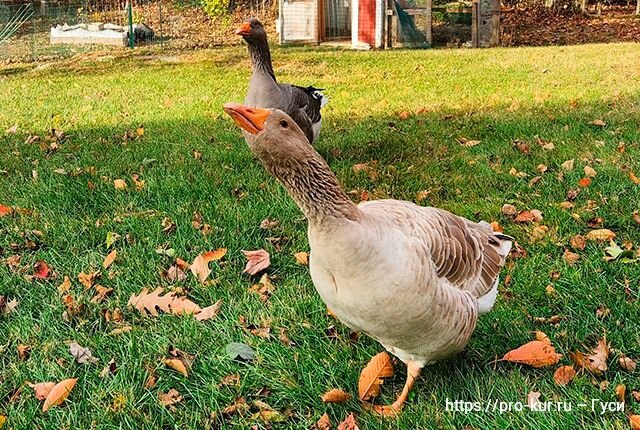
(303,104)
(413,278)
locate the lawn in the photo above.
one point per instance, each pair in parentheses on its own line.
(404,114)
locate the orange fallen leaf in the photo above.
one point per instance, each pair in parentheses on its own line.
(215,255)
(372,375)
(324,423)
(578,242)
(257,261)
(5,210)
(42,389)
(563,375)
(632,176)
(119,184)
(335,395)
(147,302)
(302,258)
(349,423)
(87,279)
(621,391)
(59,393)
(535,353)
(495,226)
(65,286)
(584,182)
(404,115)
(634,420)
(627,363)
(570,257)
(109,259)
(102,293)
(177,365)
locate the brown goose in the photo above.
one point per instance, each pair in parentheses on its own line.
(303,104)
(413,278)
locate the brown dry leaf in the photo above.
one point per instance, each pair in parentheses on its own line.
(570,257)
(23,351)
(590,172)
(509,210)
(109,259)
(257,261)
(578,242)
(324,423)
(634,421)
(598,123)
(495,226)
(535,353)
(542,337)
(601,235)
(302,258)
(636,217)
(5,210)
(119,184)
(87,279)
(102,293)
(404,115)
(634,178)
(349,423)
(65,286)
(563,375)
(264,288)
(169,398)
(81,354)
(627,363)
(139,183)
(147,302)
(567,165)
(231,380)
(178,365)
(620,391)
(209,312)
(42,389)
(58,393)
(151,381)
(200,265)
(335,395)
(596,362)
(372,375)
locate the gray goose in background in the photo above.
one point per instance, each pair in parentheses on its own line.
(414,278)
(302,104)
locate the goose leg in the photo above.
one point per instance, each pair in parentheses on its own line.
(413,372)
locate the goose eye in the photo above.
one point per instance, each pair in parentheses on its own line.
(284,123)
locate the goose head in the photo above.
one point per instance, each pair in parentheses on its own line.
(252,31)
(270,133)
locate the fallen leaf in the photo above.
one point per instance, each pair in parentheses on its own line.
(563,375)
(109,369)
(237,350)
(636,217)
(5,210)
(634,420)
(169,398)
(209,312)
(59,393)
(147,302)
(404,115)
(42,389)
(568,165)
(627,363)
(495,226)
(349,423)
(584,182)
(533,398)
(12,130)
(23,351)
(111,239)
(102,293)
(570,257)
(620,391)
(598,123)
(524,217)
(231,380)
(87,279)
(509,210)
(284,339)
(178,365)
(372,375)
(302,258)
(335,395)
(3,420)
(596,362)
(41,270)
(542,337)
(257,261)
(634,178)
(324,423)
(140,131)
(119,184)
(65,286)
(535,353)
(601,235)
(264,288)
(578,242)
(109,259)
(82,355)
(590,172)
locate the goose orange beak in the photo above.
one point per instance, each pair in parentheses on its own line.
(244,29)
(248,118)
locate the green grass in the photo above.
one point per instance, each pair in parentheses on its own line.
(496,96)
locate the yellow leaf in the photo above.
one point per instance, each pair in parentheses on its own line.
(371,376)
(109,259)
(535,353)
(335,395)
(59,393)
(119,184)
(302,258)
(177,365)
(140,131)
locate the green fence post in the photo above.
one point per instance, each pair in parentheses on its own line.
(130,16)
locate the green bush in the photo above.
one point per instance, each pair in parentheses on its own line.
(215,7)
